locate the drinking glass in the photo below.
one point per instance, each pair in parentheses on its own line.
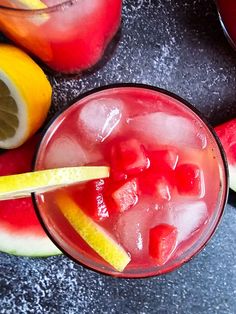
(68,36)
(227,15)
(86,131)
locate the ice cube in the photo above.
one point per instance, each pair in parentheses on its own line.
(132,229)
(65,151)
(187,217)
(167,129)
(99,118)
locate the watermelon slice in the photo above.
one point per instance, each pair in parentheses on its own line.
(227,135)
(20,230)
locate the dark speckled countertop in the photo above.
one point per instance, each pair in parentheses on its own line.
(176,45)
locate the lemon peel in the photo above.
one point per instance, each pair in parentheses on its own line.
(25,96)
(21,185)
(93,234)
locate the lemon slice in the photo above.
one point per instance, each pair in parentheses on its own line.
(38,18)
(93,234)
(21,185)
(25,97)
(32,4)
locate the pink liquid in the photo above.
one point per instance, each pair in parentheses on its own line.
(67,40)
(227,11)
(158,122)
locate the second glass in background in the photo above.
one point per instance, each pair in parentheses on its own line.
(68,36)
(227,14)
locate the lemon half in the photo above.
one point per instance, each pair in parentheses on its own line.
(25,97)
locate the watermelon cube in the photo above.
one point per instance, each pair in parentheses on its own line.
(162,242)
(158,179)
(189,180)
(156,185)
(126,196)
(128,158)
(162,190)
(161,160)
(94,205)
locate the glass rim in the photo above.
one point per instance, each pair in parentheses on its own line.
(225,176)
(24,11)
(224,27)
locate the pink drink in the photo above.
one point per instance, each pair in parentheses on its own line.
(168,177)
(68,36)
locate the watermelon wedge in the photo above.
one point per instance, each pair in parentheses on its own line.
(20,230)
(227,135)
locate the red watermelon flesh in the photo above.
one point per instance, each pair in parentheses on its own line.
(20,230)
(227,135)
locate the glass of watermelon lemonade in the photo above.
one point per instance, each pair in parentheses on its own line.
(167,188)
(68,36)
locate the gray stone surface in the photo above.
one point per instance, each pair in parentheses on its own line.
(177,45)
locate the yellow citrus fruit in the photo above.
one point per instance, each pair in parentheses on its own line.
(24,4)
(25,96)
(33,4)
(20,185)
(93,234)
(39,18)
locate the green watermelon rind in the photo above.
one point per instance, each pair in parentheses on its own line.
(26,244)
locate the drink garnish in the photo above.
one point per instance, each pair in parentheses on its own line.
(21,185)
(25,97)
(93,234)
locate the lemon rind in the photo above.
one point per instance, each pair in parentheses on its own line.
(93,234)
(21,185)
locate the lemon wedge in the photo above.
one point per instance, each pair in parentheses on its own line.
(21,185)
(93,234)
(25,97)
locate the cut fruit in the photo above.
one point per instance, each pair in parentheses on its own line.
(93,234)
(158,180)
(154,184)
(94,204)
(189,180)
(162,242)
(162,189)
(18,160)
(20,231)
(227,135)
(33,4)
(161,160)
(21,185)
(128,158)
(37,18)
(25,97)
(126,196)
